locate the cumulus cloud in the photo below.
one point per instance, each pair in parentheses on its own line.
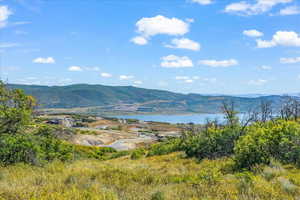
(172,61)
(83,68)
(259,7)
(290,60)
(258,82)
(106,75)
(281,38)
(75,69)
(290,10)
(139,40)
(221,63)
(265,44)
(253,33)
(161,25)
(41,60)
(203,2)
(126,77)
(5,12)
(184,43)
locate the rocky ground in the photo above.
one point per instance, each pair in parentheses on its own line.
(121,134)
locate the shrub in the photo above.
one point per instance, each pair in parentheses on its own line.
(15,110)
(93,152)
(158,196)
(166,147)
(212,143)
(19,148)
(33,149)
(263,141)
(137,154)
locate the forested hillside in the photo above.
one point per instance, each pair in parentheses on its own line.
(84,95)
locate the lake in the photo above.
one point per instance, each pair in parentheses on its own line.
(194,118)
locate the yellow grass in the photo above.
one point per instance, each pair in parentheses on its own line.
(168,177)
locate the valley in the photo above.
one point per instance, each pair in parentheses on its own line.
(120,134)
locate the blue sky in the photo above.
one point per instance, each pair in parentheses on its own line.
(188,46)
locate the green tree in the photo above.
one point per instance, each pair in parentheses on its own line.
(15,109)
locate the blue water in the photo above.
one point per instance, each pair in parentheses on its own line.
(194,118)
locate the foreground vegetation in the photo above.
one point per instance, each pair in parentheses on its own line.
(255,158)
(167,177)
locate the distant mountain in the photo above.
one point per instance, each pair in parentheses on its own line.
(132,99)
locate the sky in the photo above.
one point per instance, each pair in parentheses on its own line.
(186,46)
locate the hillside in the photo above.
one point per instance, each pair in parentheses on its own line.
(132,99)
(168,177)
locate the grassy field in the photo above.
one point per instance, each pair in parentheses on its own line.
(157,178)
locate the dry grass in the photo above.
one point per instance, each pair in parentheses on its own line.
(161,177)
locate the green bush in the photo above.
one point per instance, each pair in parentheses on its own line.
(169,146)
(15,110)
(279,140)
(33,149)
(158,196)
(137,154)
(93,152)
(19,148)
(212,143)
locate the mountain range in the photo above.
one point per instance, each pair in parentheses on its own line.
(128,99)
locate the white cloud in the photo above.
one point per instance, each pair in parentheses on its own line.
(8,45)
(189,81)
(106,75)
(290,10)
(184,43)
(265,67)
(83,68)
(41,60)
(159,24)
(203,2)
(173,61)
(258,82)
(290,60)
(281,38)
(139,40)
(265,44)
(4,14)
(126,77)
(75,69)
(221,63)
(261,6)
(253,33)
(138,82)
(181,77)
